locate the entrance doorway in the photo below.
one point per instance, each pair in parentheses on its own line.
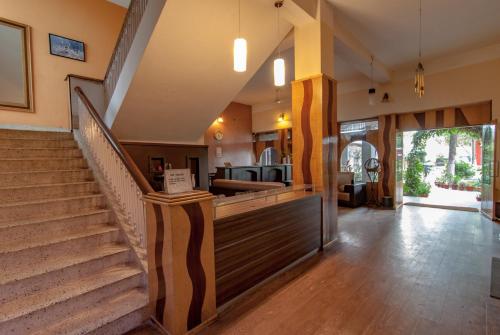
(451,168)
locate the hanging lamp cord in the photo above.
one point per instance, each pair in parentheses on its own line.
(420,32)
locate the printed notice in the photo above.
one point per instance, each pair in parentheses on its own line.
(178,181)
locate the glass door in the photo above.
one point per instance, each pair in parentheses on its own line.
(399,169)
(488,171)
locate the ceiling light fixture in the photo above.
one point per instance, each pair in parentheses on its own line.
(279,63)
(419,72)
(371,90)
(240,47)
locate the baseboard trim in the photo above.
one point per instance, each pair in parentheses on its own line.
(456,208)
(33,128)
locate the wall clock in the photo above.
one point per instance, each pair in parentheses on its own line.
(218,135)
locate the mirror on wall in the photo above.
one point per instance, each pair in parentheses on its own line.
(16,92)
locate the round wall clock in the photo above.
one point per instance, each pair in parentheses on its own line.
(218,135)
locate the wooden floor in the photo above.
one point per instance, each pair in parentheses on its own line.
(416,271)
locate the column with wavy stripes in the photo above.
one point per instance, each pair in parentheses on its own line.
(181,260)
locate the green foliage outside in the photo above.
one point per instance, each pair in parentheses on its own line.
(455,172)
(464,170)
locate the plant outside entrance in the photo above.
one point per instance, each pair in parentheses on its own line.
(444,165)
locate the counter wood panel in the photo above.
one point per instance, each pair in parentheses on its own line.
(252,246)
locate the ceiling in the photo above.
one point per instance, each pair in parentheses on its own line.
(185,78)
(389,30)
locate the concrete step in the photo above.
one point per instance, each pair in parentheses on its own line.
(57,272)
(41,164)
(34,135)
(15,261)
(39,192)
(37,143)
(41,309)
(116,315)
(32,230)
(26,178)
(50,207)
(40,153)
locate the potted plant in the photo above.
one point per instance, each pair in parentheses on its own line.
(478,197)
(461,186)
(469,187)
(446,186)
(424,190)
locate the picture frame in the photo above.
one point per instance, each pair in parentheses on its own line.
(66,47)
(15,66)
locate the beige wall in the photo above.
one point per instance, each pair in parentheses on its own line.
(237,146)
(460,86)
(95,22)
(263,121)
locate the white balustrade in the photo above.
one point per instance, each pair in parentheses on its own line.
(123,186)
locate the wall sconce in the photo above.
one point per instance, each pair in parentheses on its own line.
(281,117)
(220,119)
(386,98)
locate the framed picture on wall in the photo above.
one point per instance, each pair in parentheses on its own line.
(66,47)
(16,88)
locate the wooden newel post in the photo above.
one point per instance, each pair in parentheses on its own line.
(181,266)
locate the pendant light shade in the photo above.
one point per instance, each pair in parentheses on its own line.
(371,97)
(279,72)
(419,72)
(239,47)
(279,63)
(419,80)
(240,55)
(371,90)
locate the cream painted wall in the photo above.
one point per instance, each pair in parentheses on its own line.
(460,86)
(267,120)
(95,22)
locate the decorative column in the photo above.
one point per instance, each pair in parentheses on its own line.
(314,113)
(181,270)
(387,156)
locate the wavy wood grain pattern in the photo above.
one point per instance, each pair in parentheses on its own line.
(252,246)
(193,262)
(449,117)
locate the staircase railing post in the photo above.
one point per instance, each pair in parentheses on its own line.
(181,260)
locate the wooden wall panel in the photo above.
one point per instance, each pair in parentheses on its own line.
(460,116)
(315,143)
(175,154)
(181,270)
(252,246)
(387,155)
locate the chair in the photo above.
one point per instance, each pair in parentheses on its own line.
(350,194)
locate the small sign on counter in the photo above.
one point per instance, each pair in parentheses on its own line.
(178,181)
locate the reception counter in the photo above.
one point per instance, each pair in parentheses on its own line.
(259,234)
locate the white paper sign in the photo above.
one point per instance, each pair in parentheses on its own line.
(178,181)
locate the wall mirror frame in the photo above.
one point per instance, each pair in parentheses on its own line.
(16,81)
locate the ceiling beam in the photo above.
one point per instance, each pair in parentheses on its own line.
(353,51)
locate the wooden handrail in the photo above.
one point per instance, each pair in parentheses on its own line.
(117,147)
(77,76)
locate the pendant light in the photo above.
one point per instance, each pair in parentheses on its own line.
(279,63)
(419,72)
(240,47)
(371,90)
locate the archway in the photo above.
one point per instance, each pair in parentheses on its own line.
(353,157)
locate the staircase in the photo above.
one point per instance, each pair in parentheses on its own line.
(65,267)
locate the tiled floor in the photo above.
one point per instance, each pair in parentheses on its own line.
(447,197)
(414,271)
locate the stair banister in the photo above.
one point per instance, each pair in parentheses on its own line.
(122,176)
